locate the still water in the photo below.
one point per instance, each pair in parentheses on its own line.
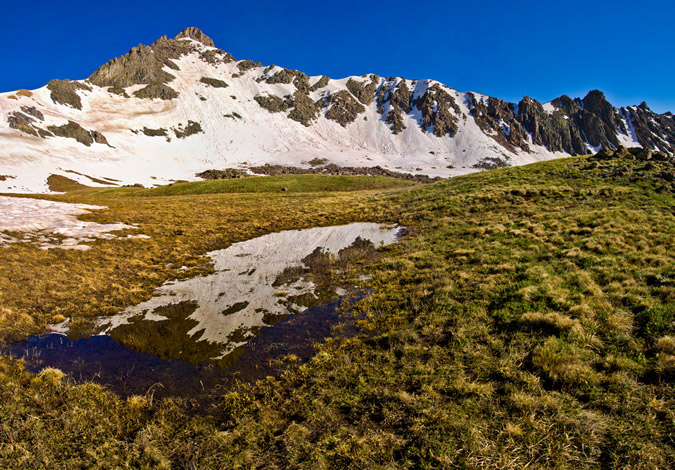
(269,297)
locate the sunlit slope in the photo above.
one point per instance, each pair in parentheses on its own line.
(527,320)
(168,111)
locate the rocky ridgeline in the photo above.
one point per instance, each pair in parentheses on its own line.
(566,125)
(572,126)
(144,65)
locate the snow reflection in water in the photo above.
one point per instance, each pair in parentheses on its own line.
(256,283)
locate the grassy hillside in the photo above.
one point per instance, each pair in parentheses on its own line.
(267,184)
(528,320)
(39,287)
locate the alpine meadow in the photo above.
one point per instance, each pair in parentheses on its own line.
(214,263)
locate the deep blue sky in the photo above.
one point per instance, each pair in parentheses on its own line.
(500,48)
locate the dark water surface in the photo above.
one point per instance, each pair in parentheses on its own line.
(102,360)
(267,298)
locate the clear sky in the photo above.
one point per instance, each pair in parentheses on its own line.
(505,49)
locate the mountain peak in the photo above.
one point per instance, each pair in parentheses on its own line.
(196,34)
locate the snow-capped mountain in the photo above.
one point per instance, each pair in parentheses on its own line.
(180,106)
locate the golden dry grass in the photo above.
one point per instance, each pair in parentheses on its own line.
(525,322)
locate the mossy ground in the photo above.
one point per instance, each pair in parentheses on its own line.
(527,320)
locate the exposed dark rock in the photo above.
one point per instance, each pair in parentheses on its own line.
(343,107)
(654,131)
(605,153)
(364,91)
(299,79)
(156,90)
(161,132)
(245,65)
(599,120)
(435,105)
(196,34)
(622,152)
(191,129)
(399,97)
(138,66)
(491,163)
(73,130)
(304,109)
(316,161)
(99,138)
(118,91)
(402,97)
(322,82)
(214,82)
(142,65)
(498,120)
(395,118)
(227,173)
(65,92)
(301,82)
(283,76)
(559,132)
(216,56)
(332,169)
(33,111)
(662,157)
(272,103)
(23,123)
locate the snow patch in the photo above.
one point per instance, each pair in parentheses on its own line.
(51,224)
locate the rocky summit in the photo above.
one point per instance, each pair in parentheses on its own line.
(181,106)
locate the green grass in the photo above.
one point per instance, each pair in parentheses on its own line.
(525,322)
(266,184)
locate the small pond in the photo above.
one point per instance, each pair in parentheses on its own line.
(268,297)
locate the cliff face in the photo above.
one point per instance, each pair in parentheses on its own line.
(181,106)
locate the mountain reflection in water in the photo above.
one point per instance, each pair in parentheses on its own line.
(193,329)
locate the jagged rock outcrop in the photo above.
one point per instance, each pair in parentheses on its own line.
(196,34)
(156,91)
(559,131)
(574,126)
(75,131)
(399,97)
(305,110)
(599,120)
(364,91)
(436,105)
(343,107)
(65,92)
(235,111)
(321,83)
(23,123)
(26,121)
(652,130)
(499,120)
(214,82)
(142,65)
(273,103)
